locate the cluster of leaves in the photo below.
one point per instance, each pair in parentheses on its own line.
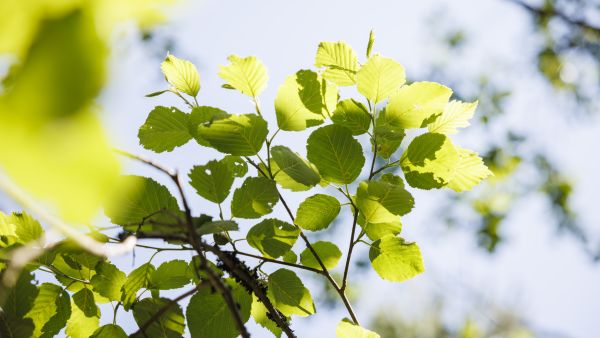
(225,291)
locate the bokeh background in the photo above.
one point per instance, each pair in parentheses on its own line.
(517,257)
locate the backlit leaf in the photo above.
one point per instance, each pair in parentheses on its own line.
(379,78)
(304,100)
(470,170)
(430,161)
(108,280)
(137,279)
(347,329)
(456,115)
(212,180)
(164,129)
(272,237)
(395,260)
(170,275)
(294,166)
(209,317)
(328,252)
(317,212)
(260,315)
(417,105)
(289,295)
(248,75)
(109,331)
(170,324)
(181,74)
(337,155)
(352,115)
(255,198)
(340,62)
(241,135)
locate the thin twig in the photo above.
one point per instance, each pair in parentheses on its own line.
(265,259)
(325,272)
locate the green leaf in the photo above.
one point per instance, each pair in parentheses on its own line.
(255,198)
(212,180)
(108,281)
(109,331)
(317,212)
(19,302)
(417,105)
(241,135)
(260,315)
(204,115)
(181,74)
(294,166)
(143,199)
(430,161)
(290,257)
(377,230)
(63,312)
(285,181)
(170,324)
(137,279)
(84,299)
(164,129)
(18,228)
(272,237)
(328,252)
(340,61)
(79,325)
(456,115)
(337,155)
(209,317)
(380,201)
(216,227)
(347,329)
(387,137)
(236,164)
(157,93)
(248,75)
(370,44)
(379,78)
(304,100)
(352,115)
(470,170)
(289,295)
(170,275)
(395,260)
(44,308)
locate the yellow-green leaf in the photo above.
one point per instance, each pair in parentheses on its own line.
(456,115)
(181,74)
(248,75)
(430,161)
(347,329)
(470,170)
(417,105)
(395,260)
(340,62)
(379,78)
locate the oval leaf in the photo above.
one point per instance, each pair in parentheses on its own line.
(395,260)
(248,75)
(430,161)
(317,212)
(417,105)
(328,252)
(181,74)
(337,155)
(255,198)
(241,135)
(272,237)
(379,78)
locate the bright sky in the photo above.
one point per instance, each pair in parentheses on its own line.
(545,278)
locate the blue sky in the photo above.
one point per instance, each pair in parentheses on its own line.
(546,279)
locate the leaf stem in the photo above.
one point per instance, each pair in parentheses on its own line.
(265,259)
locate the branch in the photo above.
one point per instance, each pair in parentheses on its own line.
(194,240)
(541,12)
(325,272)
